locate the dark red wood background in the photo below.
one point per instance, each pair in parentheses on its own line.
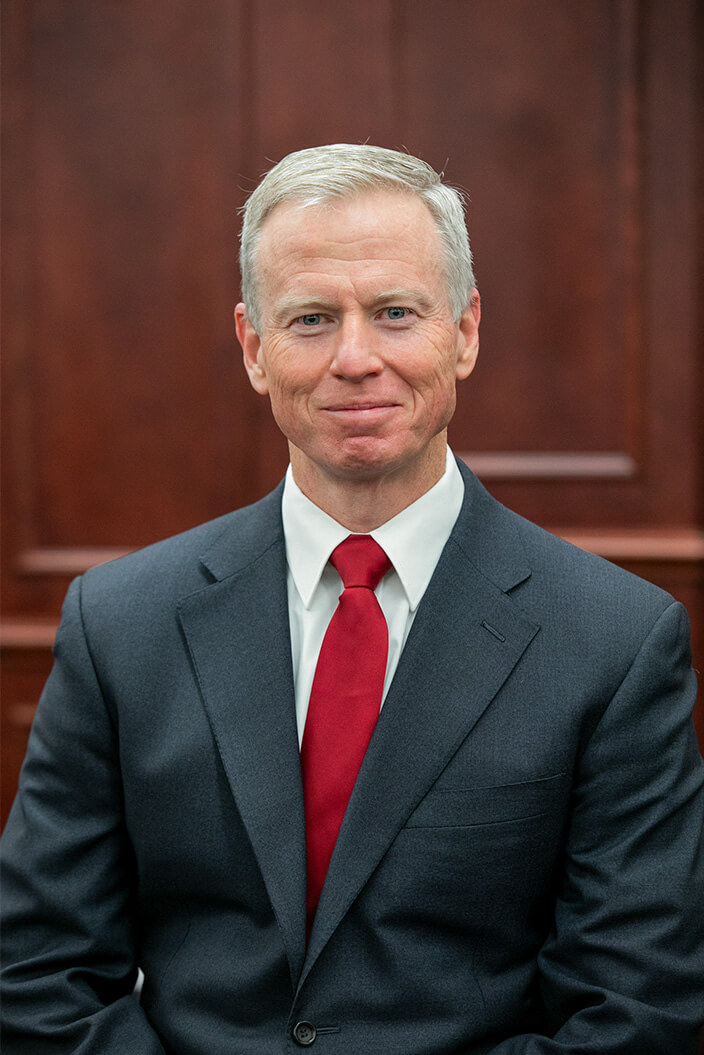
(132,132)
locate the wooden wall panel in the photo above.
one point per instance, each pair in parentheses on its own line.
(321,76)
(124,376)
(133,133)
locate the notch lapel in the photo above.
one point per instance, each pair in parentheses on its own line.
(237,632)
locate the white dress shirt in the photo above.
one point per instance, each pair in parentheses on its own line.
(413,541)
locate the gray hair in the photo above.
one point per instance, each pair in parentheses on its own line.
(320,175)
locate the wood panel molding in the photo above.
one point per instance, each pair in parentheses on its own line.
(676,547)
(67,560)
(557,465)
(20,635)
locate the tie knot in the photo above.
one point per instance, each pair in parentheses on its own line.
(360,561)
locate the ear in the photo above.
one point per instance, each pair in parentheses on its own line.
(468,337)
(251,350)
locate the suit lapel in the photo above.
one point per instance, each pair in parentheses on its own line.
(238,635)
(467,637)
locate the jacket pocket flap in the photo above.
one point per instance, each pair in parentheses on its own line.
(488,805)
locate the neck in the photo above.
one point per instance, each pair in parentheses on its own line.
(363,504)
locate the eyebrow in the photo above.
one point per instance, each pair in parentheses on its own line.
(400,295)
(310,305)
(301,306)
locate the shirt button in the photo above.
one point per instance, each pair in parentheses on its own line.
(304,1033)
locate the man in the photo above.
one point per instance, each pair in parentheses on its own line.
(460,810)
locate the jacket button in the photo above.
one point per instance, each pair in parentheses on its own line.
(304,1033)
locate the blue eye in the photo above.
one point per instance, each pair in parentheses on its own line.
(310,320)
(397,313)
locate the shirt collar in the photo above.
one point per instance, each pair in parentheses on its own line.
(413,539)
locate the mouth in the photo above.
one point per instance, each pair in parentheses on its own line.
(366,407)
(367,417)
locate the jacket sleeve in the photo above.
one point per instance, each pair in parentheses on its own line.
(622,972)
(69,877)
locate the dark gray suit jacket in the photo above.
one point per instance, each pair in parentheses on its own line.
(520,868)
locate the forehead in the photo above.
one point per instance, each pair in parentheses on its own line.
(376,231)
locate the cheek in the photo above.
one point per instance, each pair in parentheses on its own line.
(290,389)
(290,374)
(433,382)
(428,362)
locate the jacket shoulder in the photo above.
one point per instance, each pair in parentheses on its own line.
(586,591)
(550,571)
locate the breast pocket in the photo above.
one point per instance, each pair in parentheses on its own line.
(463,807)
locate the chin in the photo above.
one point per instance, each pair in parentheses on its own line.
(366,464)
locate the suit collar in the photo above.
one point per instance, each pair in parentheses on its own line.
(489,536)
(246,535)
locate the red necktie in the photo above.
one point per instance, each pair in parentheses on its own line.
(344,702)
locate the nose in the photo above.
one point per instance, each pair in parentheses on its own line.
(356,354)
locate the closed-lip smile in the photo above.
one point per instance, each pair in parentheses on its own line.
(367,404)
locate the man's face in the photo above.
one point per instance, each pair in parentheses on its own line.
(358,350)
